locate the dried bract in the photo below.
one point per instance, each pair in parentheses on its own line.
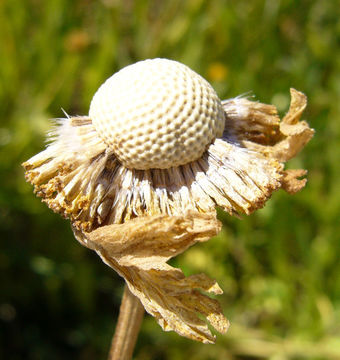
(139,249)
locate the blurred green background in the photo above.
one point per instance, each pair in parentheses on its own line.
(279,268)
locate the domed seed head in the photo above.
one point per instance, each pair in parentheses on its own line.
(157,114)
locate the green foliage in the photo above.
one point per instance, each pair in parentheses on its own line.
(279,268)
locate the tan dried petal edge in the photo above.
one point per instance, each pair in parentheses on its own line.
(138,251)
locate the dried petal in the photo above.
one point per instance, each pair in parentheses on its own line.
(139,249)
(291,182)
(286,138)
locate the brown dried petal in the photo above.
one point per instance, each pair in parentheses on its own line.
(252,121)
(147,241)
(286,138)
(291,182)
(296,134)
(138,251)
(297,107)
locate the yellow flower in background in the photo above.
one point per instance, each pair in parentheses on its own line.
(141,176)
(217,71)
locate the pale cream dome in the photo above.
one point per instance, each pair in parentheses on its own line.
(157,114)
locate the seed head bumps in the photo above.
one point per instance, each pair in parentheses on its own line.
(157,114)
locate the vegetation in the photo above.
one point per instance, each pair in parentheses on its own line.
(279,268)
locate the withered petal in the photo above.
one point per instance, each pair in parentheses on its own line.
(146,240)
(292,182)
(138,251)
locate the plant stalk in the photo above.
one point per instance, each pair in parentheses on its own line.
(130,318)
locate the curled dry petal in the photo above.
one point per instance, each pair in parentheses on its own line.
(291,181)
(143,242)
(138,251)
(260,130)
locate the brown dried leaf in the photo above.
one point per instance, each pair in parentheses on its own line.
(295,134)
(252,120)
(138,251)
(291,182)
(151,241)
(258,129)
(297,107)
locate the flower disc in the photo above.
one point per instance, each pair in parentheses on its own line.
(157,114)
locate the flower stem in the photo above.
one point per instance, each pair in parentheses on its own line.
(130,318)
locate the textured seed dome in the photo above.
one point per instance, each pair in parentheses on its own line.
(157,114)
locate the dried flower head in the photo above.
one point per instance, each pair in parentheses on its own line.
(140,178)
